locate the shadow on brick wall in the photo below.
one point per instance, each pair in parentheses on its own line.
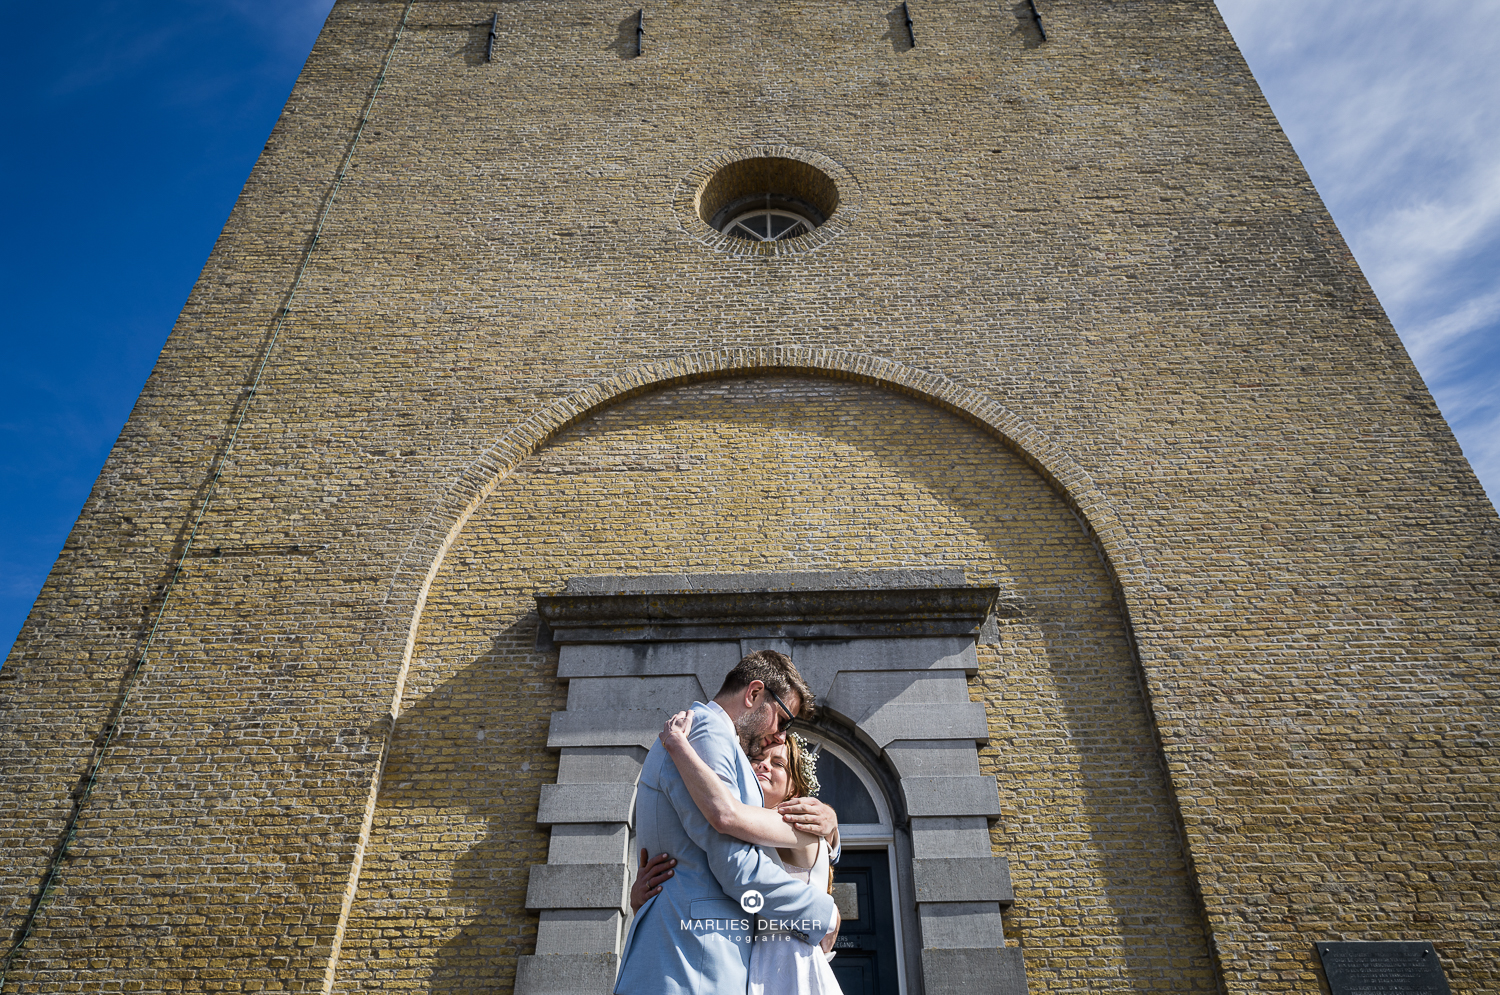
(896,30)
(1089,822)
(441,902)
(626,42)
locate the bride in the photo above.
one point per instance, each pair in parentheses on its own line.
(780,964)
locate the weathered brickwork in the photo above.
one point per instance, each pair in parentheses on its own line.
(1100,246)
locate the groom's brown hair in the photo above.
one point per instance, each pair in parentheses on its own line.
(776,672)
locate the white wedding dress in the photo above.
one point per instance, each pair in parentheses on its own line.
(782,964)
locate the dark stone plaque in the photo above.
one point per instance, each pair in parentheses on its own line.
(1395,967)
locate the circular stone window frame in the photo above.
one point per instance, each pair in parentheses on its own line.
(685,203)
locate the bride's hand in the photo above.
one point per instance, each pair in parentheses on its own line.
(833,934)
(674,735)
(649,879)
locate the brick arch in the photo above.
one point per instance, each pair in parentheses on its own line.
(424,555)
(446,521)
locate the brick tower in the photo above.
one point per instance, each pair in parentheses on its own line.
(997,361)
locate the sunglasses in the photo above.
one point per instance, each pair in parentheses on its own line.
(789,716)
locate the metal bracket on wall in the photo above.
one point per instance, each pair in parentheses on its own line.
(489,46)
(1037,18)
(911,35)
(640,32)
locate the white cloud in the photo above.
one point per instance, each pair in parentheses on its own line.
(1479,429)
(1441,340)
(291,23)
(1395,111)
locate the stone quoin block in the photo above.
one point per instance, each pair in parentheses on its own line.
(951,796)
(576,886)
(991,970)
(585,803)
(566,974)
(962,879)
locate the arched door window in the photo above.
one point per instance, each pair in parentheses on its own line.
(851,792)
(868,953)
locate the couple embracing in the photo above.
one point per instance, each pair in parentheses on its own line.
(737,840)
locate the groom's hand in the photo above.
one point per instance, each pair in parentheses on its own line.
(809,816)
(649,880)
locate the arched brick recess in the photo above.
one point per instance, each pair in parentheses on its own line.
(449,517)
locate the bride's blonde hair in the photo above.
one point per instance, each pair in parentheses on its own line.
(801,767)
(802,776)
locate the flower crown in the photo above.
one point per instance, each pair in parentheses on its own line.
(807,763)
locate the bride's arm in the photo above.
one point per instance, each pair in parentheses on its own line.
(726,813)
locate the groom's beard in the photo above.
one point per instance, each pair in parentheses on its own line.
(753,728)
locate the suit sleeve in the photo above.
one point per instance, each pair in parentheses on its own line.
(739,866)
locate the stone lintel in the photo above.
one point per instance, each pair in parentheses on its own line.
(722,616)
(766,581)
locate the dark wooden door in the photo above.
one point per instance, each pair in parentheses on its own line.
(866,948)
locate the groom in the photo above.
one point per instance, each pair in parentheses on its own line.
(694,937)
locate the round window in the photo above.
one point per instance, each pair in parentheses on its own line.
(768,225)
(766,201)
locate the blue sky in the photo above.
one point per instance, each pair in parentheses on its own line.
(134,124)
(1394,108)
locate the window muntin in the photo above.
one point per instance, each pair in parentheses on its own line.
(850,790)
(768,225)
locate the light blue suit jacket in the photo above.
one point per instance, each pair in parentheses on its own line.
(694,938)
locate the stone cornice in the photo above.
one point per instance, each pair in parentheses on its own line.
(660,616)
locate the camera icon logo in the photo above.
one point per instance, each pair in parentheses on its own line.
(752,901)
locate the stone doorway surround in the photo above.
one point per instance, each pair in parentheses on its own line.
(886,652)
